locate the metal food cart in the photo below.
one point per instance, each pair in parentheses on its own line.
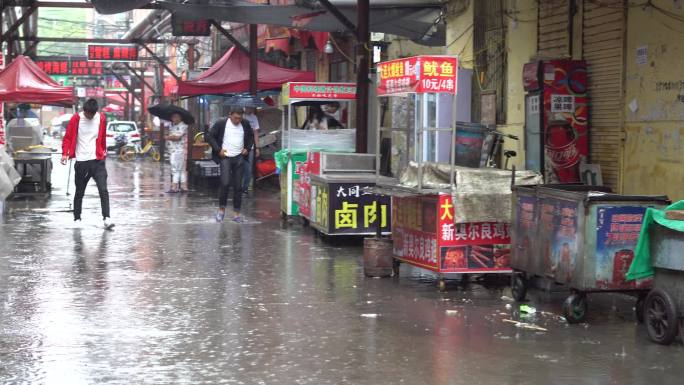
(440,221)
(296,142)
(578,238)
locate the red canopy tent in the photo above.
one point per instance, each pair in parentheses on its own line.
(231,75)
(24,82)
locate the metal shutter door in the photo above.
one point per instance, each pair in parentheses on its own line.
(553,37)
(603,30)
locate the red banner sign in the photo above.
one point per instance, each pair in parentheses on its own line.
(325,91)
(100,52)
(418,74)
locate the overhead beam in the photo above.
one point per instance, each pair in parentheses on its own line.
(229,36)
(161,62)
(14,27)
(61,4)
(30,47)
(123,81)
(338,15)
(88,40)
(141,78)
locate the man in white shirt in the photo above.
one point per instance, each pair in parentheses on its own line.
(85,140)
(230,140)
(250,116)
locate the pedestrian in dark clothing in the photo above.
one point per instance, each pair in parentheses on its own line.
(230,140)
(85,140)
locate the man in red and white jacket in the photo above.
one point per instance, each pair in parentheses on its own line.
(85,140)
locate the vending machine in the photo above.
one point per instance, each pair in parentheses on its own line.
(556,118)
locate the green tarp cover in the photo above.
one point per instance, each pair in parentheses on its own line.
(283,156)
(641,265)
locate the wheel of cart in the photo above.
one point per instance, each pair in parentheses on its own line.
(662,319)
(575,307)
(518,286)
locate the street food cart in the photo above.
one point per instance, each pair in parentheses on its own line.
(579,238)
(298,142)
(446,218)
(24,82)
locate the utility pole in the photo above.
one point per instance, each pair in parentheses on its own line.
(362,71)
(253,59)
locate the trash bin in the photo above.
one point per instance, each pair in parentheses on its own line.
(664,306)
(578,238)
(377,257)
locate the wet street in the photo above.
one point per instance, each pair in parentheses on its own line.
(171,297)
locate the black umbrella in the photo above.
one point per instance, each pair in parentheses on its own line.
(164,111)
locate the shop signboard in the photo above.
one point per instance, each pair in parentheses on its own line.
(425,235)
(618,229)
(473,245)
(418,74)
(322,91)
(414,231)
(69,66)
(349,208)
(95,92)
(184,27)
(110,52)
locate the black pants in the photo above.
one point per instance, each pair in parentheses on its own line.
(84,171)
(232,169)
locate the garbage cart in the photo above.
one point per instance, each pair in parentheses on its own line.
(664,306)
(581,239)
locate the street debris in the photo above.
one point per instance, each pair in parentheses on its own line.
(527,326)
(369,315)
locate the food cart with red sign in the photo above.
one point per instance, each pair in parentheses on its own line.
(448,219)
(322,179)
(297,142)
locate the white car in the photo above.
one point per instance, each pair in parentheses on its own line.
(130,129)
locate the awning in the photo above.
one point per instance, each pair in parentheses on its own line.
(24,82)
(231,75)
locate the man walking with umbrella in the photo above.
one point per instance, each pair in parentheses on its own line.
(230,140)
(178,142)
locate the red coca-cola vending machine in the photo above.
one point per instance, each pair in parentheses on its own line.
(556,118)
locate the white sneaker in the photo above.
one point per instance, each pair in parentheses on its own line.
(108,224)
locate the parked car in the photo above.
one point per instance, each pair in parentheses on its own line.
(130,129)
